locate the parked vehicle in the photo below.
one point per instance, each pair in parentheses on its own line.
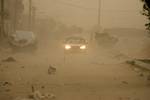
(22,39)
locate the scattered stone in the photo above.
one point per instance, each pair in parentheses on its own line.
(50,96)
(144,60)
(128,98)
(141,75)
(43,87)
(120,98)
(22,66)
(124,98)
(137,69)
(124,82)
(19,98)
(7,83)
(7,90)
(136,99)
(2,70)
(9,59)
(148,77)
(131,62)
(37,95)
(51,70)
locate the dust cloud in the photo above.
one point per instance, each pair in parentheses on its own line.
(56,51)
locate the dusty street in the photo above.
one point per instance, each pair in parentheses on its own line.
(101,73)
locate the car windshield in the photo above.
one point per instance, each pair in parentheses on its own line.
(76,40)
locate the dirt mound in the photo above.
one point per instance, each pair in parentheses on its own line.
(105,39)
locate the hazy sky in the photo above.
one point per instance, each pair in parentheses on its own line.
(114,13)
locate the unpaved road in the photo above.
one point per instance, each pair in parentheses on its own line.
(99,74)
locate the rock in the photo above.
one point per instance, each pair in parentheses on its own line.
(9,59)
(51,70)
(43,87)
(120,98)
(141,75)
(37,95)
(50,96)
(22,66)
(19,98)
(130,62)
(124,82)
(6,83)
(7,90)
(137,69)
(148,77)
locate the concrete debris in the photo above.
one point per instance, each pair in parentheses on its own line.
(5,83)
(37,95)
(9,59)
(143,64)
(51,70)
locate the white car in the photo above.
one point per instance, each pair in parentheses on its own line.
(23,38)
(75,43)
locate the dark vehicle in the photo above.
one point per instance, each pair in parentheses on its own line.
(75,43)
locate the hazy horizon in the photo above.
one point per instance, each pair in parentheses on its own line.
(114,13)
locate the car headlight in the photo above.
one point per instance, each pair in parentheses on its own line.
(83,47)
(67,47)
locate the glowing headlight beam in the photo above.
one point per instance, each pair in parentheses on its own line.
(67,47)
(83,47)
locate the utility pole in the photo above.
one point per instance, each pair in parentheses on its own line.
(2,34)
(99,13)
(98,27)
(33,17)
(15,15)
(30,14)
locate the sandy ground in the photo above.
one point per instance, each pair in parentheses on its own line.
(98,74)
